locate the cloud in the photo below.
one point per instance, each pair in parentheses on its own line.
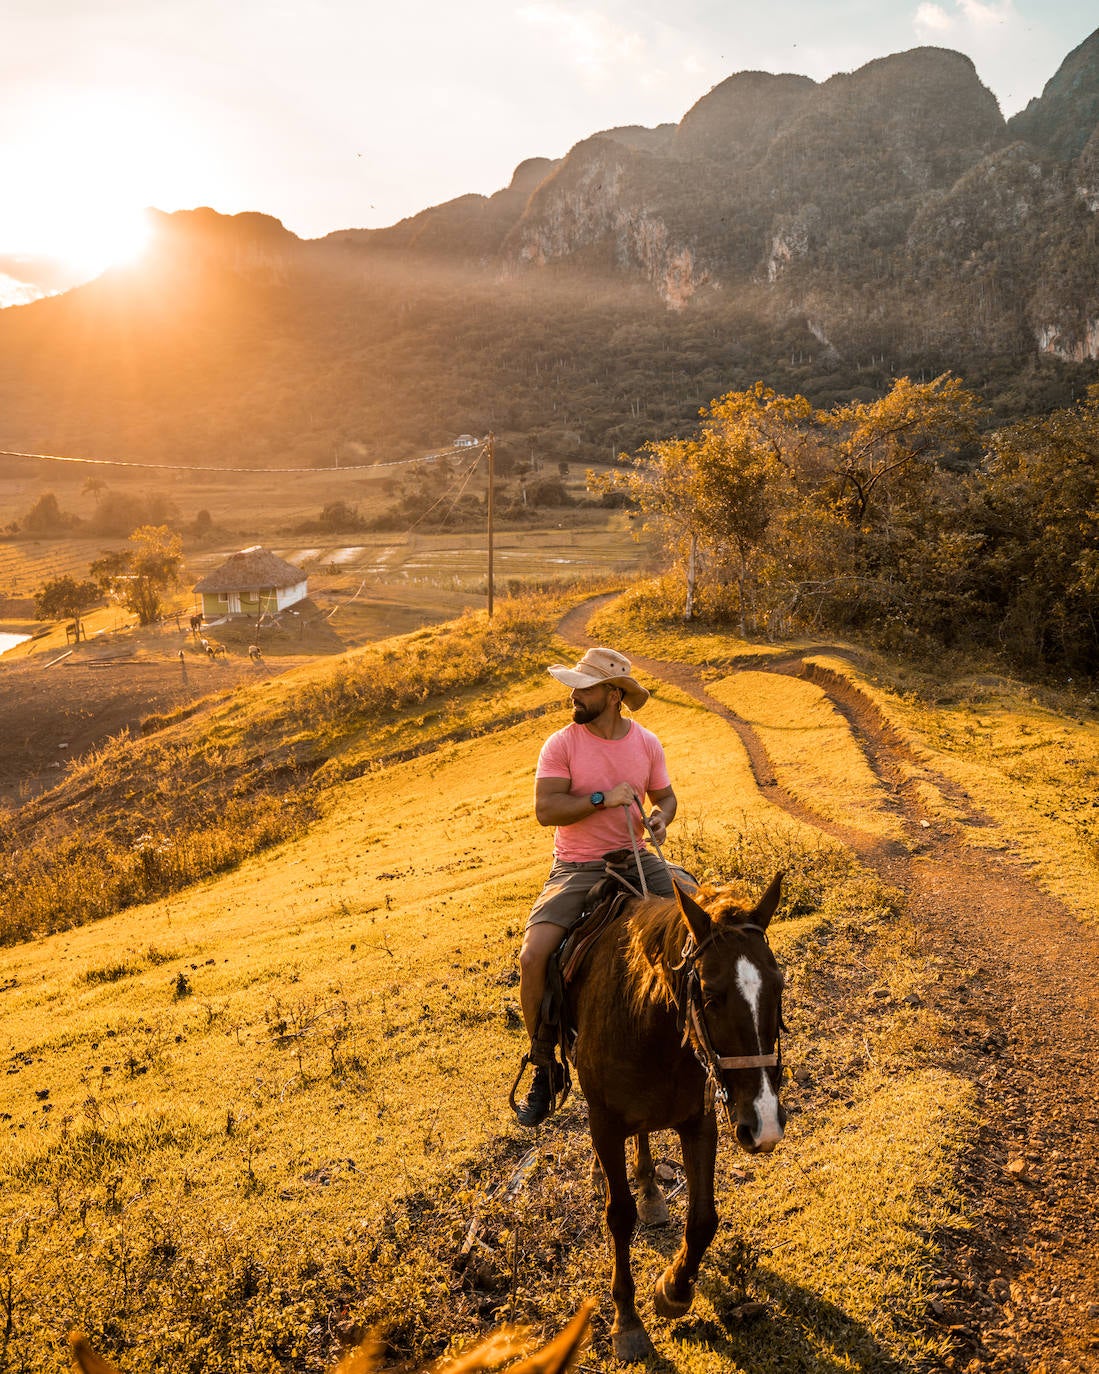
(591,42)
(983,16)
(975,18)
(934,18)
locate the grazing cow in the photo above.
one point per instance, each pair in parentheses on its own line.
(196,622)
(558,1356)
(254,653)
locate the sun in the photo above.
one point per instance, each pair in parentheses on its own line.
(86,242)
(114,236)
(83,169)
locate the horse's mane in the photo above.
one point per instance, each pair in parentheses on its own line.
(657,934)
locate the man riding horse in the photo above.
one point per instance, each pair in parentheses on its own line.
(591,782)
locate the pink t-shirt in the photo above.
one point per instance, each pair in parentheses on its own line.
(592,764)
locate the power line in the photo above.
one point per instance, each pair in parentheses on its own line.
(439,500)
(451,452)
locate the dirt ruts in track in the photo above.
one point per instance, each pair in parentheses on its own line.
(1019,1288)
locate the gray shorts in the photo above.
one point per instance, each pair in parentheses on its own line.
(564,897)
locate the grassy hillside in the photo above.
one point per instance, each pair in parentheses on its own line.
(1023,756)
(258,1111)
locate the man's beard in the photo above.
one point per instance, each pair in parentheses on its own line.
(583,715)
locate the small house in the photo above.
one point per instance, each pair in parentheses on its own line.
(253,582)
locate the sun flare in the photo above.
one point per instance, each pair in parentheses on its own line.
(88,164)
(103,237)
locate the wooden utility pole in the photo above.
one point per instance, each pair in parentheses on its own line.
(490,449)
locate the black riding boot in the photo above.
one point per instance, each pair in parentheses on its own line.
(538,1103)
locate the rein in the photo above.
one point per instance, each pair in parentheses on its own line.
(617,873)
(691,1017)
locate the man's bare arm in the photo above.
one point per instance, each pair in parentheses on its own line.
(554,805)
(663,813)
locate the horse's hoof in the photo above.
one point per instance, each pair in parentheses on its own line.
(667,1305)
(631,1345)
(652,1210)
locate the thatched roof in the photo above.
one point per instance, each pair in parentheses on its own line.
(251,570)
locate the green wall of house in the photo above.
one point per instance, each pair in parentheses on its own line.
(217,604)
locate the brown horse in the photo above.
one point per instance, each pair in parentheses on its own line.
(678,1006)
(556,1357)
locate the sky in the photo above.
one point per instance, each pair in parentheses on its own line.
(336,114)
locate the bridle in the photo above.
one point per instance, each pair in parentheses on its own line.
(691,1021)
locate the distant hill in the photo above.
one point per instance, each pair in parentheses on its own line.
(824,237)
(27,277)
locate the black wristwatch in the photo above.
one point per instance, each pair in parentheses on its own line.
(596,799)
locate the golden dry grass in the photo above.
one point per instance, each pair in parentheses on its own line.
(1026,761)
(247,1118)
(811,747)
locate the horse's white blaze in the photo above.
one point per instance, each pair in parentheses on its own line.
(750,982)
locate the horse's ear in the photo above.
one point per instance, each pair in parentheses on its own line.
(86,1358)
(768,903)
(697,918)
(561,1353)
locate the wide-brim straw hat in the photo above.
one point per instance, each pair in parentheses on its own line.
(604,667)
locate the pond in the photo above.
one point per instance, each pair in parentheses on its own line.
(8,641)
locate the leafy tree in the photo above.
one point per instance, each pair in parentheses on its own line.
(65,598)
(139,576)
(46,517)
(340,515)
(117,512)
(876,446)
(1040,492)
(714,495)
(663,483)
(548,492)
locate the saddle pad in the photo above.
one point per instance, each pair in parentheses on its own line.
(579,941)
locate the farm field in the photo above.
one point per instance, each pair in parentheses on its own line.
(262,1113)
(362,588)
(449,562)
(251,508)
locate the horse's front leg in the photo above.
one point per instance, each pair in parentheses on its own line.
(675,1288)
(651,1205)
(628,1335)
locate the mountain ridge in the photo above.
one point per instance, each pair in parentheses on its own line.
(819,235)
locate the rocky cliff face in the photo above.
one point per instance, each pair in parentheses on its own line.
(763,172)
(896,189)
(824,236)
(892,205)
(254,245)
(1063,118)
(606,206)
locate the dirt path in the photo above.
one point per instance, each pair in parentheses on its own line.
(1020,1289)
